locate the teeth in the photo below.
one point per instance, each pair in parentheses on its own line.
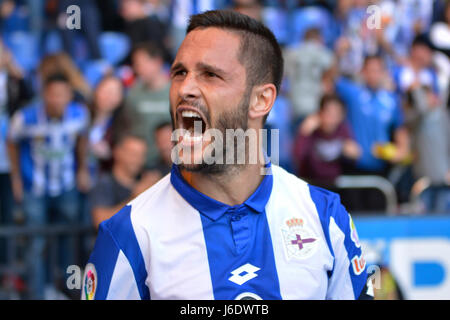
(188,137)
(190,114)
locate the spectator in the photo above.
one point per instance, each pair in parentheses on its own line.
(428,121)
(304,67)
(440,32)
(251,8)
(180,11)
(160,9)
(413,18)
(147,102)
(163,140)
(62,63)
(419,67)
(140,27)
(323,143)
(115,189)
(13,94)
(106,111)
(46,144)
(375,115)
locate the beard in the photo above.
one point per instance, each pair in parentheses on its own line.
(235,118)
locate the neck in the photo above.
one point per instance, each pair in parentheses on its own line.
(123,177)
(415,66)
(232,187)
(102,115)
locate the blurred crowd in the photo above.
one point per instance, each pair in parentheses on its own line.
(84,113)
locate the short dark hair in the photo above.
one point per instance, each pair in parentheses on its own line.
(56,77)
(422,40)
(150,48)
(260,52)
(162,125)
(123,135)
(327,98)
(370,57)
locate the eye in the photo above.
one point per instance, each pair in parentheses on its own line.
(179,73)
(211,74)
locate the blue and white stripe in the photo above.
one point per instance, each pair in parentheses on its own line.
(47,147)
(182,244)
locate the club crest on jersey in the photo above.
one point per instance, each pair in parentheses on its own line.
(90,282)
(298,241)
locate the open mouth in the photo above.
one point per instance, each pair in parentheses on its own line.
(193,121)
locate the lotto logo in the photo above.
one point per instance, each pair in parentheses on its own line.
(243,274)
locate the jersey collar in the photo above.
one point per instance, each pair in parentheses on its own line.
(214,209)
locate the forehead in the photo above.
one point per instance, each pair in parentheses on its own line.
(57,86)
(374,63)
(211,46)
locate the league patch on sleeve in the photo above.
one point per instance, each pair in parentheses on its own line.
(89,282)
(353,233)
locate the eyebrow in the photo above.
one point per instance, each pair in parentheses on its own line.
(208,67)
(177,67)
(201,66)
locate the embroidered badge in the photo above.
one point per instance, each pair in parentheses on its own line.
(298,241)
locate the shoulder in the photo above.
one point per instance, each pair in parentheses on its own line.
(29,113)
(106,180)
(284,179)
(327,203)
(77,110)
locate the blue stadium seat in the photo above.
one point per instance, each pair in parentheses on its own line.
(80,48)
(53,43)
(95,70)
(24,47)
(302,19)
(114,46)
(276,20)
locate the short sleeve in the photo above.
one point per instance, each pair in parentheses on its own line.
(116,270)
(346,89)
(348,277)
(350,267)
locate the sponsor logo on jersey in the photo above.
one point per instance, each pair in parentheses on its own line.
(358,264)
(90,282)
(299,242)
(244,273)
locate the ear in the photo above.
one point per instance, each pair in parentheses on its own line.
(262,100)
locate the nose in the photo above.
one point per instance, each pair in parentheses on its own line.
(189,88)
